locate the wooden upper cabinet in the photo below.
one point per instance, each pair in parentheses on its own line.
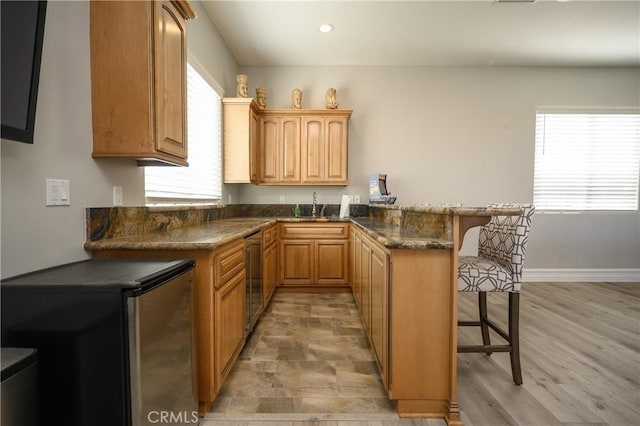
(241,133)
(336,150)
(304,147)
(280,149)
(290,150)
(269,149)
(324,149)
(139,80)
(313,149)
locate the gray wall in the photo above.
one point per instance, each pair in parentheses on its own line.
(462,135)
(35,236)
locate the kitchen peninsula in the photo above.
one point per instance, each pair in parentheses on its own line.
(402,270)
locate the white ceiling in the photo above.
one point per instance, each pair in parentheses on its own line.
(417,33)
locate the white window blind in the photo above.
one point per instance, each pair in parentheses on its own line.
(587,161)
(201,181)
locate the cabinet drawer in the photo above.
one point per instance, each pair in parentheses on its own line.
(314,230)
(269,236)
(228,262)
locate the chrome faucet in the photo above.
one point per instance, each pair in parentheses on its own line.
(313,208)
(324,206)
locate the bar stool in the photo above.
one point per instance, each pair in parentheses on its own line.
(498,268)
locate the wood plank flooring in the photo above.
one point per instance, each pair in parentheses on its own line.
(580,350)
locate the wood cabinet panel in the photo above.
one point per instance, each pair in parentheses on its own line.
(314,253)
(269,262)
(379,309)
(270,273)
(336,150)
(254,147)
(304,147)
(290,150)
(332,259)
(313,149)
(314,230)
(229,325)
(138,80)
(241,133)
(171,80)
(229,261)
(296,266)
(324,149)
(371,291)
(357,268)
(270,149)
(365,282)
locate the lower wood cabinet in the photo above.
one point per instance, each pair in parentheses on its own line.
(297,261)
(331,261)
(379,325)
(306,258)
(269,263)
(229,326)
(371,291)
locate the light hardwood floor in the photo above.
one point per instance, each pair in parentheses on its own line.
(580,347)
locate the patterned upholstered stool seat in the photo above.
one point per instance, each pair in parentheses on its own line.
(476,273)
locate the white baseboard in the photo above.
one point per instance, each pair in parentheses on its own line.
(589,275)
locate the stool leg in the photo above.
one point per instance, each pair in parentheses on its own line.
(482,308)
(514,335)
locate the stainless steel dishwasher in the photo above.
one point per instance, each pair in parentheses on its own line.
(253,263)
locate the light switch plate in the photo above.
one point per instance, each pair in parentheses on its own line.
(58,193)
(118,196)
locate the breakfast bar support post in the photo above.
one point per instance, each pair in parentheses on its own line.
(423,318)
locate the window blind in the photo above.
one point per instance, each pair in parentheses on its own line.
(201,181)
(586,162)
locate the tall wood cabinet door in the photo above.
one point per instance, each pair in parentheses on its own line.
(313,149)
(357,269)
(336,150)
(290,149)
(296,261)
(170,80)
(379,308)
(254,147)
(229,325)
(352,247)
(270,149)
(365,271)
(270,269)
(332,259)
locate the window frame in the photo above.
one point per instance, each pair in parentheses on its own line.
(583,110)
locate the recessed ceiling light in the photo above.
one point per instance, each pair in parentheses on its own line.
(325,28)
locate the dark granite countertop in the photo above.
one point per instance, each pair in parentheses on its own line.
(214,234)
(457,210)
(394,237)
(201,237)
(426,234)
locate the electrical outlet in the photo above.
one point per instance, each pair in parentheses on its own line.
(356,199)
(118,196)
(350,199)
(282,199)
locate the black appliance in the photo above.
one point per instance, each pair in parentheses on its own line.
(22,35)
(113,337)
